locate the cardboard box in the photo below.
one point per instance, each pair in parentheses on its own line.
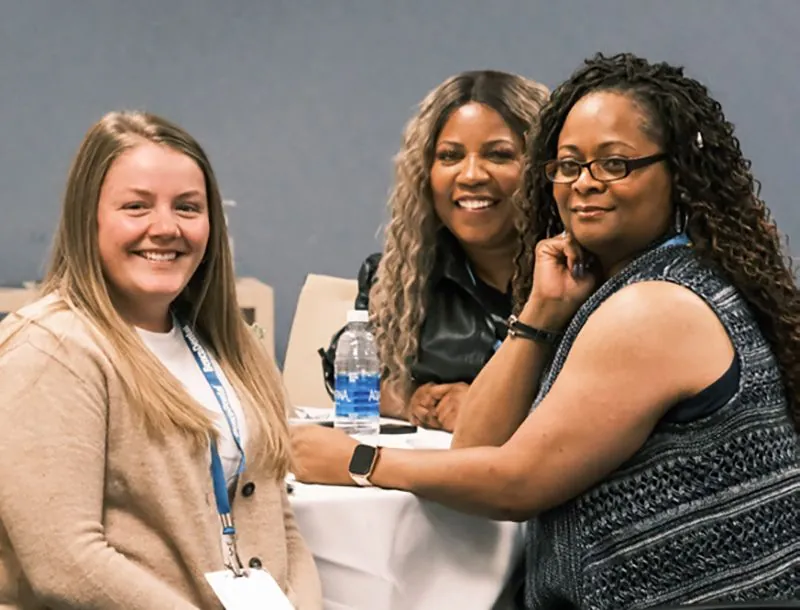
(256,300)
(321,310)
(14,298)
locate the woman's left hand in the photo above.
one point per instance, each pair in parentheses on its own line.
(562,281)
(321,455)
(447,408)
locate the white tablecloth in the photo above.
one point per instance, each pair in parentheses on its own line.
(388,550)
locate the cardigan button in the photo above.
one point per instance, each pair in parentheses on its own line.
(248,489)
(255,563)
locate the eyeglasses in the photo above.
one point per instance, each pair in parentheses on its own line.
(605,169)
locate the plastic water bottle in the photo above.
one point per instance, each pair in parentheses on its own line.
(357,392)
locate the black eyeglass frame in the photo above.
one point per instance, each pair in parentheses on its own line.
(631,165)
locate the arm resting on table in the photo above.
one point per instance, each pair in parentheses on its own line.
(649,346)
(392,403)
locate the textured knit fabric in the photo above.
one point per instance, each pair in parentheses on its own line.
(706,510)
(94,513)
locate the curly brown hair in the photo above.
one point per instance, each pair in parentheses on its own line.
(713,189)
(397,299)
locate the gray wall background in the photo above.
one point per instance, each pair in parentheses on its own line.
(300,103)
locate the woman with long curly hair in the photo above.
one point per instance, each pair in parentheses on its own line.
(659,344)
(440,293)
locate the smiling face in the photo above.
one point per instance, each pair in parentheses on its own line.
(476,169)
(153,230)
(617,219)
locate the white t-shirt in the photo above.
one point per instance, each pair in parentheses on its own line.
(171,349)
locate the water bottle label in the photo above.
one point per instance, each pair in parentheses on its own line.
(357,395)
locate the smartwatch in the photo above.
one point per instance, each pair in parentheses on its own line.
(363,463)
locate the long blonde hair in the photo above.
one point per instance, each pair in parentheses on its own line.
(208,301)
(398,298)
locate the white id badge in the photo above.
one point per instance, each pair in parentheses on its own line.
(256,591)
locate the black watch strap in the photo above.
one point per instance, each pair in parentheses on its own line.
(520,329)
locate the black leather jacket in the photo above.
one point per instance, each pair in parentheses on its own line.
(463,326)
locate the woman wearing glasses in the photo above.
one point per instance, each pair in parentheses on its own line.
(660,349)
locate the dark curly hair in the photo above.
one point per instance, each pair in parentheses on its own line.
(713,188)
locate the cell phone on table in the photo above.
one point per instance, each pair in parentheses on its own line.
(395,428)
(389,428)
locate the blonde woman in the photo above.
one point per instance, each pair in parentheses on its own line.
(144,440)
(439,295)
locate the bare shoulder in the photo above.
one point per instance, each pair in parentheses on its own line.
(661,325)
(652,308)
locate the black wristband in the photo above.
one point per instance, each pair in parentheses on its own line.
(519,329)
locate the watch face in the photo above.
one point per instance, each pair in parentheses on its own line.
(362,459)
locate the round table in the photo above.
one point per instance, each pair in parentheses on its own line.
(382,549)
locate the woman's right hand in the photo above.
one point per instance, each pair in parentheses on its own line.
(562,281)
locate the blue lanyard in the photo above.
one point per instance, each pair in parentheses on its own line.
(681,239)
(203,361)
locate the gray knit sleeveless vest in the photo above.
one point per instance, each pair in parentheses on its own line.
(704,511)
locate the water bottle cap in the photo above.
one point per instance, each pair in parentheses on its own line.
(357,315)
